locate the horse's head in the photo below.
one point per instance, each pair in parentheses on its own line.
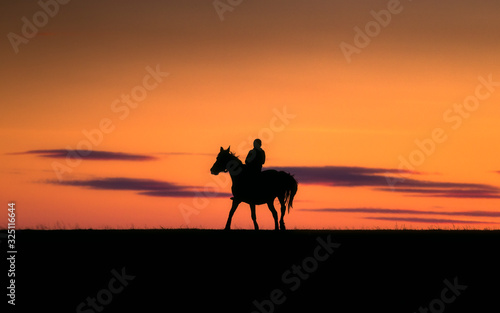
(221,163)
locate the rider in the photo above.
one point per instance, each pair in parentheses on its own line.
(256,157)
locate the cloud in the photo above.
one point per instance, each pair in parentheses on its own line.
(148,187)
(425,220)
(443,192)
(389,180)
(88,155)
(402,211)
(412,212)
(344,176)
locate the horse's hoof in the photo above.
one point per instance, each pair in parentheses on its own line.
(227,228)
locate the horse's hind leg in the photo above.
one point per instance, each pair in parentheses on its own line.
(254,216)
(283,211)
(275,214)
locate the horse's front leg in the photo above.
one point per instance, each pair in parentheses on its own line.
(254,216)
(233,209)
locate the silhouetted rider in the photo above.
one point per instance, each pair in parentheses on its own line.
(256,157)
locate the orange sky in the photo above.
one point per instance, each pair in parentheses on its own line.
(274,70)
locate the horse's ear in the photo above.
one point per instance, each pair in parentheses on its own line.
(221,149)
(228,148)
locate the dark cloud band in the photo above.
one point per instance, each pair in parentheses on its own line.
(425,220)
(89,155)
(148,187)
(402,211)
(389,180)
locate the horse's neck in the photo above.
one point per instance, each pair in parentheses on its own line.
(236,169)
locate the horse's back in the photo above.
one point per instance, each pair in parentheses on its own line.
(272,172)
(269,172)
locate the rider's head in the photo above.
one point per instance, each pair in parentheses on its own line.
(257,143)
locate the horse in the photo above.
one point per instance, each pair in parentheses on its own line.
(256,188)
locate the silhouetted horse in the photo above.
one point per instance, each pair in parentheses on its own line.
(256,187)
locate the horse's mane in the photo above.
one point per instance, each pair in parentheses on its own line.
(232,154)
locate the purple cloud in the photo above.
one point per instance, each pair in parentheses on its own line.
(148,187)
(477,191)
(425,220)
(388,180)
(88,155)
(403,211)
(342,176)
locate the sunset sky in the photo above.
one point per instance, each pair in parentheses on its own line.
(387,112)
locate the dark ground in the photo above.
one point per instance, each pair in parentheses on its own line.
(216,271)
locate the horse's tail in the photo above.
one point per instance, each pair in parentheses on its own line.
(291,186)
